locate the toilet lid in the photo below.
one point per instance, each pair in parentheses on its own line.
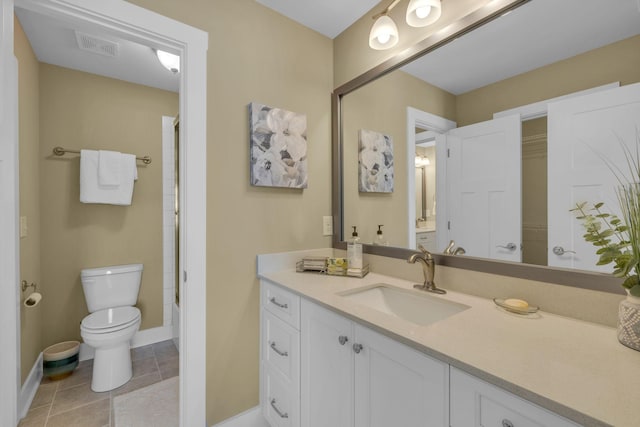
(110,318)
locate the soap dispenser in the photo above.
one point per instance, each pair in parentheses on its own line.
(380,239)
(354,250)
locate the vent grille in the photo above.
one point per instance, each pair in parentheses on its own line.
(96,45)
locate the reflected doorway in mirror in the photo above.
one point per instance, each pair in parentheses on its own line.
(375,162)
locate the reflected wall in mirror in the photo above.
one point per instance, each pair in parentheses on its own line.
(505,68)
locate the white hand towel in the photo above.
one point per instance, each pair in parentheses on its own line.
(90,189)
(109,169)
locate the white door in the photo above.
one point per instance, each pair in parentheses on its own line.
(396,385)
(584,135)
(484,194)
(326,388)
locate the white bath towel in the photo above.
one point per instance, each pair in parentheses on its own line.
(90,189)
(109,167)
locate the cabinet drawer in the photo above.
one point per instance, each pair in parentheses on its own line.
(280,405)
(475,402)
(282,303)
(280,347)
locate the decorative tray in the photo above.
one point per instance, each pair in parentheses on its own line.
(513,306)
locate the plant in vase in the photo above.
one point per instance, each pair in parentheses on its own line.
(618,242)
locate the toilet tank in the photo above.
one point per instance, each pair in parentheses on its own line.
(108,287)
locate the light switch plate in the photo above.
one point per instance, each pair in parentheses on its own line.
(327,225)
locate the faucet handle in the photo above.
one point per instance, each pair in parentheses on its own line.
(423,250)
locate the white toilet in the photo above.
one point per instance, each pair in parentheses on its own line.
(111,293)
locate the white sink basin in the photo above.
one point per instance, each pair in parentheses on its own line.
(414,306)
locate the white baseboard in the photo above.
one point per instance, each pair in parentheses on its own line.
(141,338)
(251,418)
(29,388)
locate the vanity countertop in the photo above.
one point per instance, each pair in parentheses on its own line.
(574,368)
(426,229)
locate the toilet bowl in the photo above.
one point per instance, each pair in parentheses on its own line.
(110,293)
(109,332)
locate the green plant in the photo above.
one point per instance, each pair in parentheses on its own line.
(618,240)
(612,238)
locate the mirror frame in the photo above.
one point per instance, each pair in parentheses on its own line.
(568,277)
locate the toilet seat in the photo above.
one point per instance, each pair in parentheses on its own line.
(110,320)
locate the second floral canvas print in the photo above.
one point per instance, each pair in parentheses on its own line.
(278,147)
(375,161)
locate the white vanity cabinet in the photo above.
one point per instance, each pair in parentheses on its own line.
(353,376)
(319,369)
(478,403)
(280,356)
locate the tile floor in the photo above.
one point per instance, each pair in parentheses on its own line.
(70,402)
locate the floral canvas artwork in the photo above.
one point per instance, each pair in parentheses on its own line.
(278,147)
(375,162)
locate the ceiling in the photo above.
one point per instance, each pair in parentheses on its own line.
(524,39)
(328,17)
(55,42)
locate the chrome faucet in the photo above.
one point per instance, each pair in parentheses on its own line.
(429,270)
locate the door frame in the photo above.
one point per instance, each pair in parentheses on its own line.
(141,25)
(439,125)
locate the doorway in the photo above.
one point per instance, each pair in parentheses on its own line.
(134,23)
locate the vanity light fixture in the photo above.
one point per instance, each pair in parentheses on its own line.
(422,161)
(169,61)
(420,13)
(384,33)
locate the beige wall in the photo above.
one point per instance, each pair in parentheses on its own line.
(382,107)
(30,318)
(80,110)
(352,54)
(256,55)
(534,191)
(616,62)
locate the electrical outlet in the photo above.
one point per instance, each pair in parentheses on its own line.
(327,225)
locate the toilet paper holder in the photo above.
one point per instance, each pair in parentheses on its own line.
(26,285)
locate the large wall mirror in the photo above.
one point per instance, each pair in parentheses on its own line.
(499,125)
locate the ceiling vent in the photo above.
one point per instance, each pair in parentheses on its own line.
(96,45)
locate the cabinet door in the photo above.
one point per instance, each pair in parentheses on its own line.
(326,368)
(396,385)
(477,403)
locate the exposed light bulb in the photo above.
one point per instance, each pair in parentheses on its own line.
(423,12)
(384,38)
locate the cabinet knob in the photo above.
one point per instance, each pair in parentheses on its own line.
(342,339)
(507,423)
(357,348)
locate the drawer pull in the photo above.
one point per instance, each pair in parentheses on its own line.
(281,353)
(342,339)
(273,300)
(357,348)
(507,423)
(275,408)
